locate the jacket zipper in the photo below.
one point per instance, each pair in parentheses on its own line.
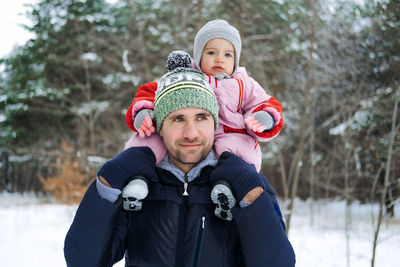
(179,257)
(185,186)
(199,241)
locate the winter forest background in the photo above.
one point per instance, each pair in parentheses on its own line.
(334,66)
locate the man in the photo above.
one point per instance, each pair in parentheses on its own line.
(176,225)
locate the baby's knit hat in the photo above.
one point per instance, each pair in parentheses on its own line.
(217,29)
(183,87)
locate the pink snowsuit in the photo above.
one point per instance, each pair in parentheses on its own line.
(238,97)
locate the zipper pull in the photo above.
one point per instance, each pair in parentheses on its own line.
(185,186)
(203,220)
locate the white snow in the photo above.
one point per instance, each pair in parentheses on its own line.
(89,107)
(356,122)
(32,232)
(125,61)
(320,240)
(92,57)
(2,118)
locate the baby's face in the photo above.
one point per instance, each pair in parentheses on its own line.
(218,57)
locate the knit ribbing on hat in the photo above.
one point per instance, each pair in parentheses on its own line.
(183,88)
(217,29)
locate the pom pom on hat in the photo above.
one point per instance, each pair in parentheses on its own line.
(178,59)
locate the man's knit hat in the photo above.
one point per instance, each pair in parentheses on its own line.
(183,87)
(217,29)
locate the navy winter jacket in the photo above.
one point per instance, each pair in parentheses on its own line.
(177,230)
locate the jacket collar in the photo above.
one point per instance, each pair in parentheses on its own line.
(168,165)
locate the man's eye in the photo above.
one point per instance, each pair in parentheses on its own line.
(178,119)
(202,118)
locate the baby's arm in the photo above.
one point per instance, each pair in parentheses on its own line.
(143,101)
(262,112)
(274,109)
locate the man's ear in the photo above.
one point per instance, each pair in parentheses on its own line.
(161,133)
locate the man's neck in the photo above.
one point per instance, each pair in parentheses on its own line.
(184,167)
(168,165)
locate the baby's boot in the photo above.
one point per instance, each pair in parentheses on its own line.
(222,197)
(134,193)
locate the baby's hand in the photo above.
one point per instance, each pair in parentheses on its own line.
(260,121)
(143,122)
(253,124)
(147,127)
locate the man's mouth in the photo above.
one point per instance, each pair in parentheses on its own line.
(190,145)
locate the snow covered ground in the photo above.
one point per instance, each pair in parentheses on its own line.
(32,232)
(323,242)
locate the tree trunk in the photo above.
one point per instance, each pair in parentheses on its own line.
(347,226)
(303,124)
(312,169)
(386,180)
(283,177)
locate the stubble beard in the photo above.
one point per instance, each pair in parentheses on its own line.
(191,158)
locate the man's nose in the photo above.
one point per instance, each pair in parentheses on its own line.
(190,130)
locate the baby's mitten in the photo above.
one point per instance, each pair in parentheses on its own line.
(264,118)
(139,118)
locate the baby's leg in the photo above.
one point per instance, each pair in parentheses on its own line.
(243,145)
(134,193)
(222,197)
(137,189)
(154,142)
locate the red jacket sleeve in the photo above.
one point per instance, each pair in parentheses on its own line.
(145,92)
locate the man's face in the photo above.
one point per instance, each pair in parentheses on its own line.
(188,135)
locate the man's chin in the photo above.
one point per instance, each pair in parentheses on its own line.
(191,157)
